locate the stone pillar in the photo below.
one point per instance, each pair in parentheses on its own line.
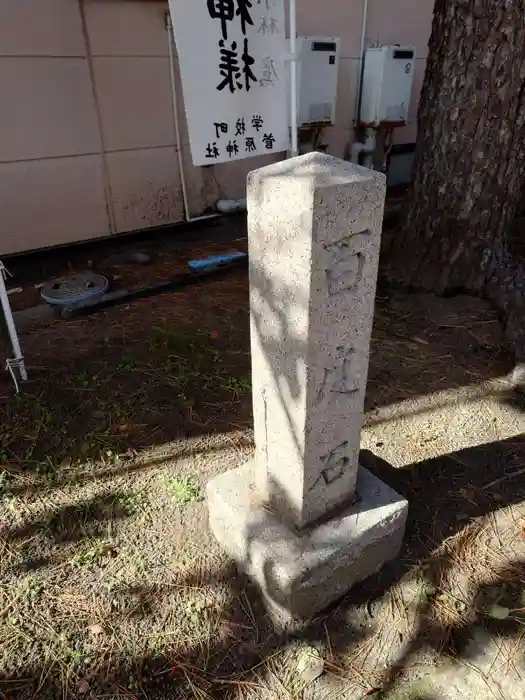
(314,237)
(292,518)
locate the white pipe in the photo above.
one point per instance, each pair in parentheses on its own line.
(169,28)
(187,218)
(361,60)
(18,358)
(230,206)
(294,150)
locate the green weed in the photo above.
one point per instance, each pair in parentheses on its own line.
(32,588)
(184,491)
(5,479)
(128,363)
(129,503)
(238,387)
(91,553)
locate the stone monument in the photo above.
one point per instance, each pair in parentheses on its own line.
(302,518)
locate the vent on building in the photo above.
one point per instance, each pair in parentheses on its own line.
(320,112)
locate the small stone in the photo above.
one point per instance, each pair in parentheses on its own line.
(83,686)
(517,376)
(310,665)
(498,612)
(429,591)
(141,258)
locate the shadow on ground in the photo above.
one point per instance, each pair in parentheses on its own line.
(122,394)
(452,505)
(178,366)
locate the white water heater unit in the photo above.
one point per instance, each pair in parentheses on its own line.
(387,85)
(318,68)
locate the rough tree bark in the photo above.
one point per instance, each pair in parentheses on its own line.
(469,169)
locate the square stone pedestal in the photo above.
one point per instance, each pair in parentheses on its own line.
(300,573)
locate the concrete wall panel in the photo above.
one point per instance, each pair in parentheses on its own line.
(145,188)
(40,28)
(135,102)
(52,201)
(47,108)
(130,28)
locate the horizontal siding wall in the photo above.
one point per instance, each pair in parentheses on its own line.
(129,49)
(87,136)
(51,181)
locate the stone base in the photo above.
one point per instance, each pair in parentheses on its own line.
(301,573)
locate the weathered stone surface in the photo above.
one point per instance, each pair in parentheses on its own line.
(300,573)
(314,236)
(292,518)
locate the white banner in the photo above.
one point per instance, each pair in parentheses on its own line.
(232,64)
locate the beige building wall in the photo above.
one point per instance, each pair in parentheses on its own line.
(87,134)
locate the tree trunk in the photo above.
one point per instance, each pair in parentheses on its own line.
(469,168)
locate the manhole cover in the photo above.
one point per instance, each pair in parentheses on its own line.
(75,288)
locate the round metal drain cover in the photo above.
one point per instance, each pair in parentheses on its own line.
(74,288)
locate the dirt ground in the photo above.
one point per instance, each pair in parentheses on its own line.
(111,585)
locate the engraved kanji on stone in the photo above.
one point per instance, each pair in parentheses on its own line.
(334,466)
(339,378)
(346,263)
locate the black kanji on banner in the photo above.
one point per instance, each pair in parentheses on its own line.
(257,122)
(226,11)
(248,62)
(232,148)
(229,67)
(212,151)
(243,11)
(220,128)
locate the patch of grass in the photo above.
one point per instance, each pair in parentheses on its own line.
(92,553)
(127,363)
(45,467)
(111,459)
(129,503)
(194,611)
(133,684)
(172,339)
(5,479)
(32,588)
(81,380)
(184,491)
(238,387)
(76,656)
(85,380)
(137,564)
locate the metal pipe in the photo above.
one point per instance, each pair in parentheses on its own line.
(108,194)
(169,29)
(361,62)
(294,148)
(187,217)
(18,358)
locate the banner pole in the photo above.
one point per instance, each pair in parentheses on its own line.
(294,150)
